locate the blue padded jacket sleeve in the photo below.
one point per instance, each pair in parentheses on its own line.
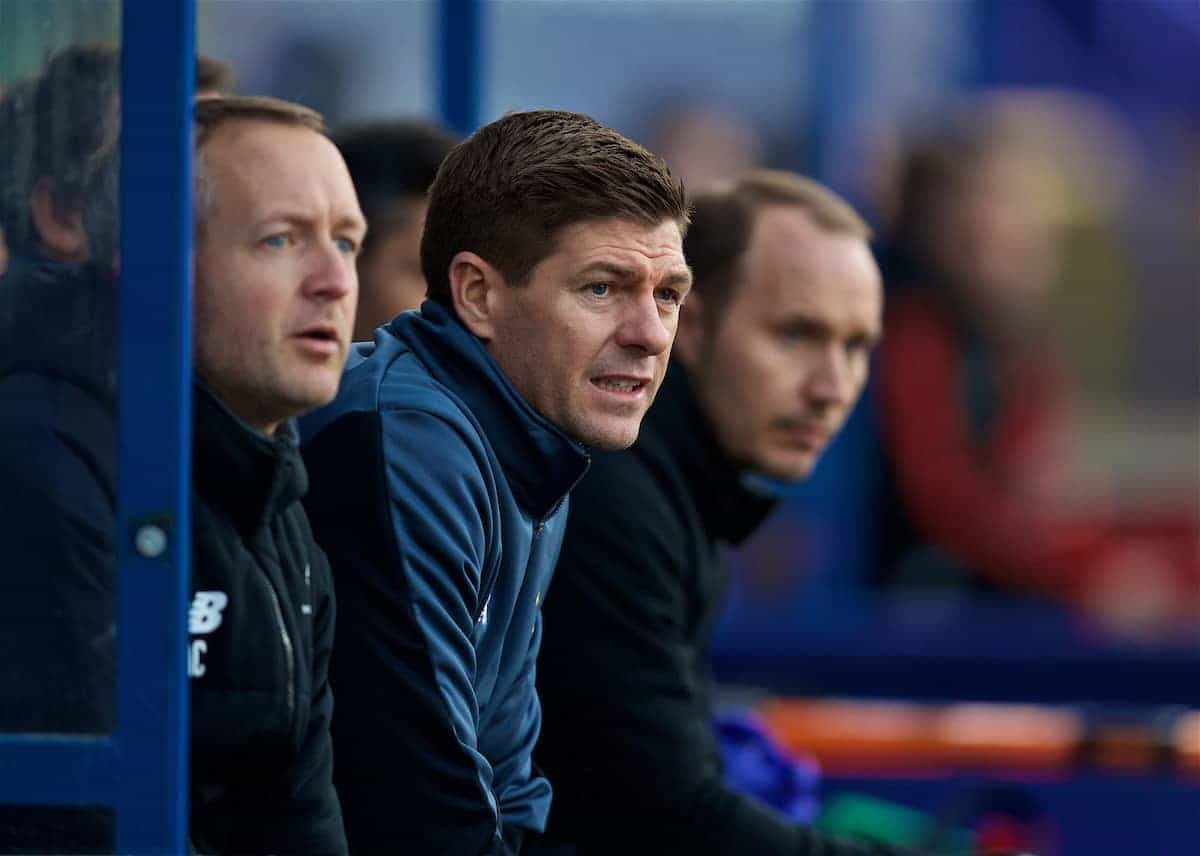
(523,794)
(407,762)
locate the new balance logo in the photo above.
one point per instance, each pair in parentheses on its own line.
(205,614)
(203,617)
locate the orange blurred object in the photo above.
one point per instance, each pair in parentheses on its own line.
(855,736)
(1186,740)
(851,735)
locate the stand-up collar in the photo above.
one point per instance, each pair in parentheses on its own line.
(245,474)
(541,462)
(676,431)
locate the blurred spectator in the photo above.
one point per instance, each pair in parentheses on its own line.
(213,78)
(392,164)
(58,209)
(6,124)
(703,143)
(975,398)
(773,351)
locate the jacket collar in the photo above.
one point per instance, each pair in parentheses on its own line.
(541,463)
(245,474)
(731,502)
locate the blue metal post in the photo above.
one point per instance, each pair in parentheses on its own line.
(459,60)
(154,429)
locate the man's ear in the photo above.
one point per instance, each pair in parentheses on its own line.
(689,337)
(474,288)
(59,231)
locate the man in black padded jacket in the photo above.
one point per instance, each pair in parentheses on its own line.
(772,352)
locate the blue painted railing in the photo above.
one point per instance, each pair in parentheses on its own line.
(459,58)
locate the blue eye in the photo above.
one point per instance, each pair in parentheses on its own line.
(346,245)
(598,289)
(668,295)
(276,242)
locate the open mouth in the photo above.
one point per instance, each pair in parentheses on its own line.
(620,384)
(322,339)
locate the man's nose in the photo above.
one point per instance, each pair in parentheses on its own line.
(642,326)
(831,382)
(331,273)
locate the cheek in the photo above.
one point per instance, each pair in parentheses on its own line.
(564,341)
(738,386)
(763,371)
(862,373)
(231,301)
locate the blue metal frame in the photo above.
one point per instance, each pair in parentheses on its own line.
(459,57)
(142,769)
(154,437)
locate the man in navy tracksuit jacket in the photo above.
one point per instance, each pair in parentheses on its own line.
(426,402)
(440,473)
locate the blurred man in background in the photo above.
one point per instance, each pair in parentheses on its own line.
(5,123)
(705,143)
(392,164)
(213,78)
(440,474)
(773,351)
(58,300)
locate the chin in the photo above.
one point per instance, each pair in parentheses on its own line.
(607,438)
(787,468)
(311,396)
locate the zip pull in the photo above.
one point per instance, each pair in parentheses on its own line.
(306,607)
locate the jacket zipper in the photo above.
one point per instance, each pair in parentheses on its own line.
(287,646)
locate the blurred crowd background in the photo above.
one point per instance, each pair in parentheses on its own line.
(1030,443)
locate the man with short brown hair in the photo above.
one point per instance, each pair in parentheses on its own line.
(552,249)
(773,351)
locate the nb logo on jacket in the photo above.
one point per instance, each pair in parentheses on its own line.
(204,617)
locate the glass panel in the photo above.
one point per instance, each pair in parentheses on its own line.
(665,73)
(348,61)
(59,168)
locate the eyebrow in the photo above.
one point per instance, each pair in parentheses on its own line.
(801,318)
(344,221)
(350,221)
(620,271)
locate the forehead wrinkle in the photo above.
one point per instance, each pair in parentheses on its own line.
(625,259)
